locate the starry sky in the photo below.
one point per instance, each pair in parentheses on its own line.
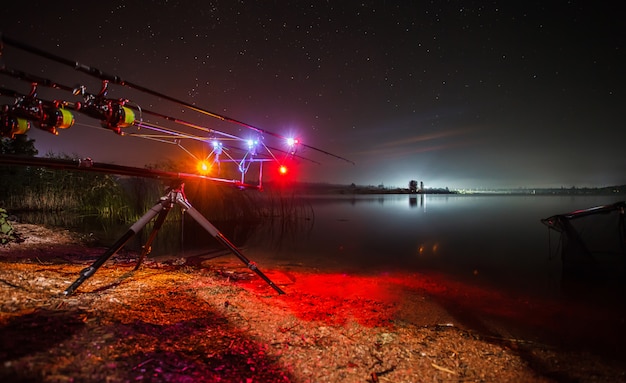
(458,94)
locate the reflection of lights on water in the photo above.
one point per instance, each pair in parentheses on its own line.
(425,249)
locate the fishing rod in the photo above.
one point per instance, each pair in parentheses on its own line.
(114,115)
(98,105)
(95,72)
(51,115)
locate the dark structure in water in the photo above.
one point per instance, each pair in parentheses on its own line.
(592,244)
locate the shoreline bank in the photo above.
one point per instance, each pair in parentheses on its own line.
(205,319)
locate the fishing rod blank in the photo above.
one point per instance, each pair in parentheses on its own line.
(124,116)
(119,81)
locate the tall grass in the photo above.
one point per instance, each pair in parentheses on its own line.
(240,213)
(37,189)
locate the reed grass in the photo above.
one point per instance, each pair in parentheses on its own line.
(66,198)
(126,199)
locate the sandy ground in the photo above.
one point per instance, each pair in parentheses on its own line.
(208,319)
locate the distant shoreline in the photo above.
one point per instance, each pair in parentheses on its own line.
(311,188)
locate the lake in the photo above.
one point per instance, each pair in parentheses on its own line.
(492,240)
(486,239)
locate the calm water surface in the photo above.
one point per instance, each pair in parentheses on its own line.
(480,239)
(497,240)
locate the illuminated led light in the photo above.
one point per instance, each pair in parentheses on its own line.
(203,168)
(252,146)
(282,169)
(217,147)
(292,141)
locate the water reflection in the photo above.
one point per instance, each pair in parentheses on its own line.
(479,239)
(490,239)
(413,200)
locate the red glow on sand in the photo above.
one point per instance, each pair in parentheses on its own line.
(374,300)
(340,298)
(381,300)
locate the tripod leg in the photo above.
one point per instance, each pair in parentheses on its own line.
(208,226)
(147,247)
(134,229)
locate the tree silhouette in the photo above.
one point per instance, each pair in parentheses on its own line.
(21,145)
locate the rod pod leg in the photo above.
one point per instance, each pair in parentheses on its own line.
(208,226)
(134,229)
(147,247)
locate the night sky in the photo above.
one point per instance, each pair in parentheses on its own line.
(455,94)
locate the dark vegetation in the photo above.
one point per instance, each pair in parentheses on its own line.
(26,188)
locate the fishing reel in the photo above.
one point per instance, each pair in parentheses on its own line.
(49,116)
(113,114)
(10,126)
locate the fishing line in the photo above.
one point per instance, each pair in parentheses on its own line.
(95,72)
(81,90)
